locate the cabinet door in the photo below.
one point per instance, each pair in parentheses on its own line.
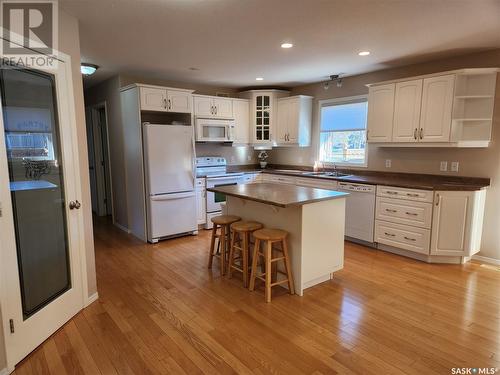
(179,101)
(200,206)
(241,111)
(293,121)
(223,107)
(203,107)
(282,121)
(408,100)
(451,223)
(380,113)
(262,118)
(437,103)
(153,99)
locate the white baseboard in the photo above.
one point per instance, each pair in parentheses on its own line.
(94,297)
(119,226)
(488,260)
(6,371)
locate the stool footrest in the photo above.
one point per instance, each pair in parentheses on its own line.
(276,259)
(279,282)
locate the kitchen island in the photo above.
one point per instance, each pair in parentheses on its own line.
(314,219)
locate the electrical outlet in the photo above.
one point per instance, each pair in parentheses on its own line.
(388,163)
(443,167)
(233,159)
(454,166)
(249,157)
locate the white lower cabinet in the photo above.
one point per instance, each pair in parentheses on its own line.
(201,203)
(457,222)
(402,236)
(316,183)
(250,177)
(278,178)
(416,214)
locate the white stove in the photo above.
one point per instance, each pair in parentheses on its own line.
(214,168)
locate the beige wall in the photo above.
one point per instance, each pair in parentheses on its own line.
(473,162)
(69,43)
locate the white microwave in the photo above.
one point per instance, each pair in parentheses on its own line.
(214,130)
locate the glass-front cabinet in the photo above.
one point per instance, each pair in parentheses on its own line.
(263,114)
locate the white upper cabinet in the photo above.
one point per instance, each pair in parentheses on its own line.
(437,104)
(263,114)
(179,101)
(408,99)
(213,106)
(448,109)
(165,99)
(241,111)
(457,222)
(294,121)
(380,112)
(153,99)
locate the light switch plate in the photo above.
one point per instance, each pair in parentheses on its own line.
(443,167)
(388,163)
(249,157)
(454,166)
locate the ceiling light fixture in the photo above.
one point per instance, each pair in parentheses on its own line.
(364,53)
(333,78)
(88,69)
(259,79)
(286,45)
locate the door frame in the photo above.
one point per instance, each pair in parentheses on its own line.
(79,257)
(93,111)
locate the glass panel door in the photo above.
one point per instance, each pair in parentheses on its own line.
(262,110)
(37,186)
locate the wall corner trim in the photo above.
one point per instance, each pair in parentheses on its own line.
(123,228)
(94,297)
(488,260)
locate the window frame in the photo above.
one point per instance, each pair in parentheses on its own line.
(339,101)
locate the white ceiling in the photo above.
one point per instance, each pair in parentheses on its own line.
(232,42)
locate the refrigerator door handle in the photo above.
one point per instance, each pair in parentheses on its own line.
(193,163)
(168,197)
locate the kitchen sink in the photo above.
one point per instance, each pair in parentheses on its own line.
(326,174)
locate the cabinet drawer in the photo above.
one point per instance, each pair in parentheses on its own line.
(403,236)
(278,178)
(316,183)
(408,194)
(249,177)
(418,214)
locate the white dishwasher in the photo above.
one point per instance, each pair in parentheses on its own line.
(360,210)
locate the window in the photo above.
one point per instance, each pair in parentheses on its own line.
(343,131)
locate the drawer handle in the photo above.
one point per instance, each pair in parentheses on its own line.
(412,195)
(390,234)
(392,192)
(410,239)
(412,214)
(389,210)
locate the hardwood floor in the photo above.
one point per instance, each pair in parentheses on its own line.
(161,311)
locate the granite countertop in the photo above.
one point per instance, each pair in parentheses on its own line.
(277,194)
(405,180)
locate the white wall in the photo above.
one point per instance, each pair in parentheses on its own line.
(473,162)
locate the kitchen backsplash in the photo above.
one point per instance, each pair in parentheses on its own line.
(239,155)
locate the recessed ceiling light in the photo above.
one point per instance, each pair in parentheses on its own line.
(364,53)
(88,69)
(286,45)
(259,79)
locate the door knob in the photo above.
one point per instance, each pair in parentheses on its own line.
(74,205)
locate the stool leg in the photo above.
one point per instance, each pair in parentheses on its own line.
(231,255)
(222,240)
(244,261)
(212,246)
(268,256)
(254,264)
(291,287)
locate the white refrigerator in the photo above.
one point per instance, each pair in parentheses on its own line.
(169,167)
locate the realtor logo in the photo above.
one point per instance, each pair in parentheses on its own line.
(29,32)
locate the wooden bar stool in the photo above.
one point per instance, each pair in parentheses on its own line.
(271,236)
(223,223)
(240,242)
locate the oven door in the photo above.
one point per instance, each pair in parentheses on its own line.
(215,199)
